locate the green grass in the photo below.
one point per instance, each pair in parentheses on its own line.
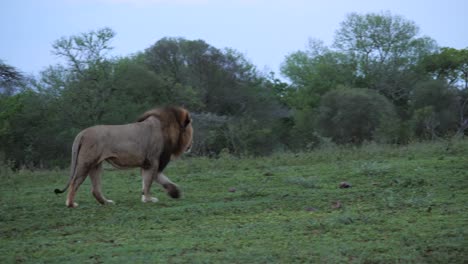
(406,205)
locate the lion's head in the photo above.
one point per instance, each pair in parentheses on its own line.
(177,127)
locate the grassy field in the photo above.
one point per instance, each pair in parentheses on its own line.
(406,205)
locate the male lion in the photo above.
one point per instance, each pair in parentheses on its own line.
(150,143)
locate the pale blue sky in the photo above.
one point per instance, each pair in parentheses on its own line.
(265,31)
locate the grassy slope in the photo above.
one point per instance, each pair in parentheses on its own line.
(405,205)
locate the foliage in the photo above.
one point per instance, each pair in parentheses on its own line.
(10,78)
(353,115)
(406,204)
(236,108)
(315,72)
(384,53)
(224,82)
(386,50)
(435,109)
(376,51)
(85,51)
(26,132)
(449,64)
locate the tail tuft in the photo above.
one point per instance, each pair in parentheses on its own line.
(57,191)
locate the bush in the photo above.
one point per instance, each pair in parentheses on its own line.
(303,133)
(208,138)
(251,136)
(435,109)
(356,115)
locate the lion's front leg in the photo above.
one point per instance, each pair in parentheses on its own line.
(171,188)
(147,175)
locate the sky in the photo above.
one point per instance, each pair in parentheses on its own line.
(265,31)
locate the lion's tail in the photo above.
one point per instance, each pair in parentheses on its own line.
(74,159)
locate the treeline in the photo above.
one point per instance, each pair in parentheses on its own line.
(379,81)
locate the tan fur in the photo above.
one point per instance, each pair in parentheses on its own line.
(157,136)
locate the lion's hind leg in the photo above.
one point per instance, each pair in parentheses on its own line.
(95,175)
(80,175)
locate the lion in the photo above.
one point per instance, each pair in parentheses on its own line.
(150,143)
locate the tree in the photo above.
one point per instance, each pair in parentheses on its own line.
(86,82)
(10,78)
(184,64)
(86,50)
(224,81)
(450,65)
(386,49)
(315,72)
(312,73)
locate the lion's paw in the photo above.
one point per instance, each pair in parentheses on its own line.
(110,202)
(72,205)
(149,199)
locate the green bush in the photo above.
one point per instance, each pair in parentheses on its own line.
(355,115)
(435,110)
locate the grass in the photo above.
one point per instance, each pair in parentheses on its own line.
(406,204)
